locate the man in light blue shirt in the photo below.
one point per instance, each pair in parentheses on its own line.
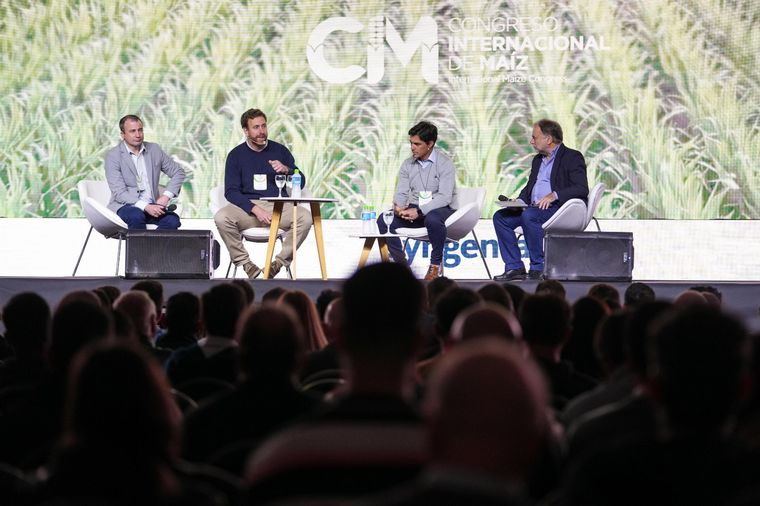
(557,175)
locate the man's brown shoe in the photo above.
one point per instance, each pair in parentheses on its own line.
(434,271)
(274,268)
(252,270)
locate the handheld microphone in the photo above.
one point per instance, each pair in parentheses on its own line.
(503,198)
(171,207)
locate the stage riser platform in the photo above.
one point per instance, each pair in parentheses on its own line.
(739,298)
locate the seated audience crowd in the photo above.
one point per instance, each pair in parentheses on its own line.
(386,392)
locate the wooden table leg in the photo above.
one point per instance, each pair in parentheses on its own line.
(382,242)
(295,242)
(276,214)
(316,216)
(368,242)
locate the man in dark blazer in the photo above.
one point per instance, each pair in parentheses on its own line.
(557,175)
(132,171)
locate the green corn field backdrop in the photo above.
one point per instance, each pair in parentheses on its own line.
(668,118)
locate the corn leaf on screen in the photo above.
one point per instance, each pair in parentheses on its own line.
(662,97)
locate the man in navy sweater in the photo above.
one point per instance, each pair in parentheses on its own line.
(248,177)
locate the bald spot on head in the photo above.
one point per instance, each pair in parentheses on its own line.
(483,320)
(487,409)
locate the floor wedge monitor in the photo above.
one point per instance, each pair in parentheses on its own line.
(171,254)
(588,256)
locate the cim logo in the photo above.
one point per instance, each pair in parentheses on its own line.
(381,30)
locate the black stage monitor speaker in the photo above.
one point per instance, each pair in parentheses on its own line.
(171,254)
(588,256)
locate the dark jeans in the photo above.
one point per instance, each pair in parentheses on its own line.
(434,221)
(505,221)
(137,219)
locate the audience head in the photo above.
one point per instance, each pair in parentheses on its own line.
(587,312)
(689,298)
(333,319)
(183,313)
(140,310)
(607,294)
(221,307)
(698,364)
(637,334)
(324,299)
(247,287)
(118,402)
(438,287)
(27,323)
(703,289)
(155,291)
(637,294)
(486,410)
(609,342)
(80,295)
(496,293)
(307,314)
(75,324)
(449,305)
(382,307)
(111,292)
(545,320)
(485,320)
(551,287)
(273,295)
(516,293)
(272,343)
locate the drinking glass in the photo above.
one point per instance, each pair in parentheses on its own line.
(289,179)
(388,219)
(279,180)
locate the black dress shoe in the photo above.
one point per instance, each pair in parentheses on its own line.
(536,275)
(511,275)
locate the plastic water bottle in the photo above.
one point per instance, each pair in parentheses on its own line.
(372,222)
(296,185)
(366,222)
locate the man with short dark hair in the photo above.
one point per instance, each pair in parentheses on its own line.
(249,176)
(133,168)
(215,355)
(424,193)
(557,175)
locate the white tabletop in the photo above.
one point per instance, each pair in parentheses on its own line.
(299,199)
(373,236)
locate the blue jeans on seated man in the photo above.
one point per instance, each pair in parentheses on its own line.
(434,221)
(136,219)
(531,219)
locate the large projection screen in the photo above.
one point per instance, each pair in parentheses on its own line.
(662,97)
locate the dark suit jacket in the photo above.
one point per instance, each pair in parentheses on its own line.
(568,176)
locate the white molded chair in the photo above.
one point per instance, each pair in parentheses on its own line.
(468,203)
(255,234)
(94,197)
(574,215)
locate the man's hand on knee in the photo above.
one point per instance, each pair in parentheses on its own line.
(262,215)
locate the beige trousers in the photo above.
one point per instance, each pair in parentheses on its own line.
(231,221)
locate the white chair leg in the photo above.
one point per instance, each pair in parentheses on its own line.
(86,240)
(482,257)
(118,255)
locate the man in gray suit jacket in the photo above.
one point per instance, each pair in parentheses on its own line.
(132,171)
